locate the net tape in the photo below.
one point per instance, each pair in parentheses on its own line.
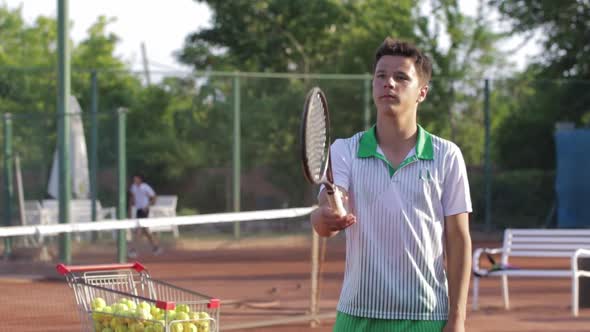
(42,230)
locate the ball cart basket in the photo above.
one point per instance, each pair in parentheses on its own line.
(123,297)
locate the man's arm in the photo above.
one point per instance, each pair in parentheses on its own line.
(458,244)
(131,199)
(150,193)
(131,204)
(326,221)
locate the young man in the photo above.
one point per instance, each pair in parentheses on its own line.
(407,196)
(141,197)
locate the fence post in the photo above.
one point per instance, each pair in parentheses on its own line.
(236,153)
(93,146)
(367,104)
(488,166)
(8,181)
(122,182)
(63,108)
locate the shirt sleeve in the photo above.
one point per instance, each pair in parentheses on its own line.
(341,162)
(149,191)
(456,197)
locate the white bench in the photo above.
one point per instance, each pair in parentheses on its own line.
(164,206)
(80,210)
(538,243)
(35,214)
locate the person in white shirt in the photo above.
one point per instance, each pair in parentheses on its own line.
(141,197)
(408,248)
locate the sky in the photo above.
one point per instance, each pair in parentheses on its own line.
(163,25)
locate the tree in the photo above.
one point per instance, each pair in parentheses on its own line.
(553,88)
(331,36)
(28,70)
(565,33)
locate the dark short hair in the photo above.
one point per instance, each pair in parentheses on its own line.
(140,176)
(392,46)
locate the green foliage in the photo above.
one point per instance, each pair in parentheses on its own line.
(564,29)
(521,198)
(180,129)
(273,36)
(28,70)
(551,90)
(329,36)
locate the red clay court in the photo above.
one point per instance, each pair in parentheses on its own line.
(260,280)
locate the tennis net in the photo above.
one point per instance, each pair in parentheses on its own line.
(267,277)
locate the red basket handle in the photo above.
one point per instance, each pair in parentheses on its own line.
(65,269)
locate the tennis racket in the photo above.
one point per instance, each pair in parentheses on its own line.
(315,147)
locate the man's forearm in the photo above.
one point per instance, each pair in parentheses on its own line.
(458,271)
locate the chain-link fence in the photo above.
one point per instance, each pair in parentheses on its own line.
(229,141)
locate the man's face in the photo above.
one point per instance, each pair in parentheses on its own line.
(137,180)
(397,88)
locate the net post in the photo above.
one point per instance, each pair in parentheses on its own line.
(315,253)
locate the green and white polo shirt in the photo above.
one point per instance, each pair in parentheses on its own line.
(395,253)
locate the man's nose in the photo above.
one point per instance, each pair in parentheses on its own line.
(389,83)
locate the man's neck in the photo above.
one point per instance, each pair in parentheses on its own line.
(397,132)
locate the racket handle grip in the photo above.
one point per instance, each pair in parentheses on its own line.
(335,201)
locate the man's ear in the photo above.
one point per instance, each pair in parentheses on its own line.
(422,94)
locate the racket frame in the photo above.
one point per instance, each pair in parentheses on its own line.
(326,176)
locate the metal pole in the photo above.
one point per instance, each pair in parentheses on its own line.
(8,181)
(63,96)
(488,166)
(93,146)
(236,153)
(122,181)
(19,191)
(146,67)
(367,90)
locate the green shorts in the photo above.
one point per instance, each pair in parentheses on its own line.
(348,323)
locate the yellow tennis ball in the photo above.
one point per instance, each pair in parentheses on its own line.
(98,303)
(183,308)
(182,316)
(137,327)
(155,310)
(159,327)
(176,327)
(190,327)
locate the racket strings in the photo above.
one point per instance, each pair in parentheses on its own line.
(316,138)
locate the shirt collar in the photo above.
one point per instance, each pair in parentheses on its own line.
(368,144)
